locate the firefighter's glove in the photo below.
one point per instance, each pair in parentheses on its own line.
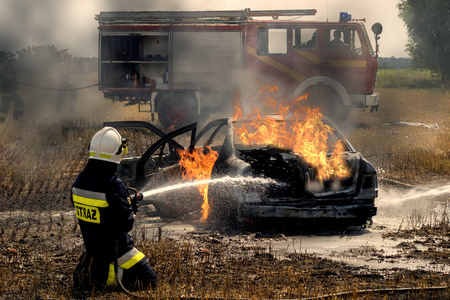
(135,207)
(134,201)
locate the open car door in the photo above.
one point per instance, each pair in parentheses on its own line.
(162,155)
(159,167)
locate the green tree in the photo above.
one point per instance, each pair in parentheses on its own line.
(428,25)
(38,59)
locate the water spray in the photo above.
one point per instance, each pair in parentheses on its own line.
(397,198)
(439,191)
(222,180)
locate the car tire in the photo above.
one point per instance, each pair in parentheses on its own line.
(162,211)
(226,209)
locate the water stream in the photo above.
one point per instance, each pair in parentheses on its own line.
(222,180)
(396,197)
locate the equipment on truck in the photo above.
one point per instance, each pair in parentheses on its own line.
(183,64)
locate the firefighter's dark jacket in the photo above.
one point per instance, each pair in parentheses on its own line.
(104,213)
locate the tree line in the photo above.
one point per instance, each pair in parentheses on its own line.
(428,27)
(392,62)
(46,59)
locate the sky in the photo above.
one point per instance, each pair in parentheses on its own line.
(71,24)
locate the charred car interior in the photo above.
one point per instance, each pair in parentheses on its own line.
(249,183)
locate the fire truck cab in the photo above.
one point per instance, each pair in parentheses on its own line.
(181,65)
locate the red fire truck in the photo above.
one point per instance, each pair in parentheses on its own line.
(186,64)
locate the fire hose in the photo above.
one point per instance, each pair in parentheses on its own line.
(380,292)
(69,89)
(133,198)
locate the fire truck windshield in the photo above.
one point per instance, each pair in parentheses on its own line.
(369,44)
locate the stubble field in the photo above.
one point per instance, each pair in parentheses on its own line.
(40,241)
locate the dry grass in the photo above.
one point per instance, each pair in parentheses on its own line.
(39,266)
(40,158)
(408,78)
(41,155)
(410,154)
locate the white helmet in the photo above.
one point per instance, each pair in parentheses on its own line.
(108,145)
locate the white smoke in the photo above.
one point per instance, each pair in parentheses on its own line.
(71,24)
(394,197)
(400,207)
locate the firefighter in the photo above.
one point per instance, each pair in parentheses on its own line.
(105,216)
(8,90)
(65,72)
(336,43)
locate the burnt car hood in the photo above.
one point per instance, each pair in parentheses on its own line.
(293,174)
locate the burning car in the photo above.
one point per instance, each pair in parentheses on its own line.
(248,170)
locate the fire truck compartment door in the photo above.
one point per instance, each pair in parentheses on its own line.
(206,58)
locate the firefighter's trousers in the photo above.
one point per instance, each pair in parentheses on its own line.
(91,273)
(6,102)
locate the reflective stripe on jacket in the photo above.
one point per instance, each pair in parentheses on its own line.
(126,261)
(87,204)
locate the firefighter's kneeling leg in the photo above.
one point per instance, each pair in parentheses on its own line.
(139,276)
(81,274)
(90,274)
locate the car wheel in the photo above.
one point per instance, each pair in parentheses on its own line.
(163,211)
(178,205)
(226,209)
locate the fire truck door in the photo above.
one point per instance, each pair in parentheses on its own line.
(341,57)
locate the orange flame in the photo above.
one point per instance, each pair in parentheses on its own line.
(197,165)
(307,135)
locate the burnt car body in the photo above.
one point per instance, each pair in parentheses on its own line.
(290,192)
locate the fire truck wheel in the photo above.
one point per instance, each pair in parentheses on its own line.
(329,101)
(176,109)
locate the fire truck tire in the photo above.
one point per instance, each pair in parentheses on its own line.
(330,102)
(176,109)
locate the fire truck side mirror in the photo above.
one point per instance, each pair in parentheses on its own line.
(377,28)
